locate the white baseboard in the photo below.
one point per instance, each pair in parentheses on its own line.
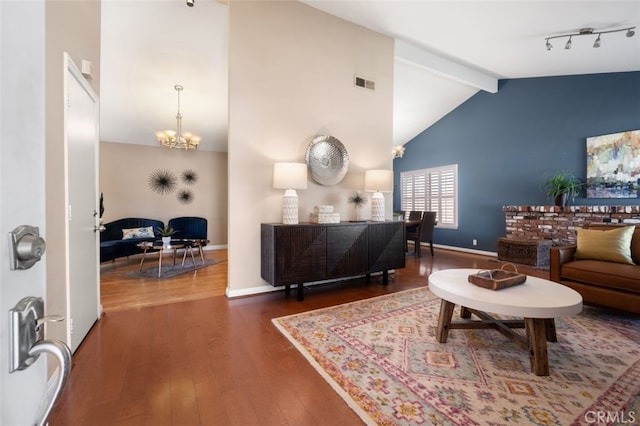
(215,247)
(465,250)
(251,291)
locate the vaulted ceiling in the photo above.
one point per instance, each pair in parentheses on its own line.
(445,52)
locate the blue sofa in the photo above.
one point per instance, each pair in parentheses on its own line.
(112,246)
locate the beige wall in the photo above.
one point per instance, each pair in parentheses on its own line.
(124,181)
(291,70)
(72,27)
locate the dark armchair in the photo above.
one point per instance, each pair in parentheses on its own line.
(191,228)
(424,232)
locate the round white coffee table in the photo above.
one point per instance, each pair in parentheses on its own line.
(537,300)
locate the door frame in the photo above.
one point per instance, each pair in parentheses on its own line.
(71,70)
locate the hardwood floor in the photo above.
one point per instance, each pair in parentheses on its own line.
(120,291)
(217,361)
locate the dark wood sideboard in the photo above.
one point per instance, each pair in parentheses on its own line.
(308,252)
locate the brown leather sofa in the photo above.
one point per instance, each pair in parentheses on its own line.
(606,284)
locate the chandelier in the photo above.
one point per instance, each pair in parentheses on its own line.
(629,32)
(178,139)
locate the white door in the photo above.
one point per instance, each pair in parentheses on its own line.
(81,133)
(22,183)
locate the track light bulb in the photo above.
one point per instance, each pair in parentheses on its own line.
(568,45)
(596,44)
(630,32)
(549,45)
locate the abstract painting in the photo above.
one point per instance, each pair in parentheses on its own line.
(613,165)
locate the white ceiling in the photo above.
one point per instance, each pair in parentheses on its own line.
(148,46)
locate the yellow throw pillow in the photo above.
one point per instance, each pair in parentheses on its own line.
(611,245)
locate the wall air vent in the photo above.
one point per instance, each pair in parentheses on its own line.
(364,83)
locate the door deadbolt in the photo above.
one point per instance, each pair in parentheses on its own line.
(27,247)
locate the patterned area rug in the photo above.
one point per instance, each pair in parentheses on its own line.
(381,356)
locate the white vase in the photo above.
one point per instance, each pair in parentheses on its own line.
(166,241)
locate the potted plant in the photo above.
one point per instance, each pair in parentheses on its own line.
(563,186)
(166,234)
(358,200)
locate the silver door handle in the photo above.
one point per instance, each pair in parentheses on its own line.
(27,343)
(100,228)
(62,354)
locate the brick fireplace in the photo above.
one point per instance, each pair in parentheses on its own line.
(559,223)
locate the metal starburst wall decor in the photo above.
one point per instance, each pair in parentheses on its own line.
(162,181)
(185,196)
(189,177)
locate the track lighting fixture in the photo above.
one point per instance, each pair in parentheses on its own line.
(190,3)
(586,32)
(596,43)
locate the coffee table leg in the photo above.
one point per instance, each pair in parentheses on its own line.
(144,253)
(444,320)
(159,263)
(193,260)
(465,312)
(537,334)
(550,326)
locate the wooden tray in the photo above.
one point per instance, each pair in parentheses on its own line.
(496,279)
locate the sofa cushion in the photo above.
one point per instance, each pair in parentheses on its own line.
(613,245)
(133,233)
(635,240)
(604,274)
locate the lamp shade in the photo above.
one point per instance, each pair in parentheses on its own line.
(290,175)
(378,180)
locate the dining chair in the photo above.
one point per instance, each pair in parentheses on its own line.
(424,232)
(415,215)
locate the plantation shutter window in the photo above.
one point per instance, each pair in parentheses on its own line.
(434,189)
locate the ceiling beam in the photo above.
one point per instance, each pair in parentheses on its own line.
(411,54)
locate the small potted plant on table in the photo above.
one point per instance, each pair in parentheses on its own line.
(166,234)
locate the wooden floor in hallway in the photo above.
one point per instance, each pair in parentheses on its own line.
(219,361)
(119,290)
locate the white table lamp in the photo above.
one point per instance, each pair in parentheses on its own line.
(378,181)
(290,176)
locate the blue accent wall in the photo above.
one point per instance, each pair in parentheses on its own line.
(507,143)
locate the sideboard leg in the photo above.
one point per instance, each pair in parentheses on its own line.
(367,278)
(385,277)
(287,290)
(300,292)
